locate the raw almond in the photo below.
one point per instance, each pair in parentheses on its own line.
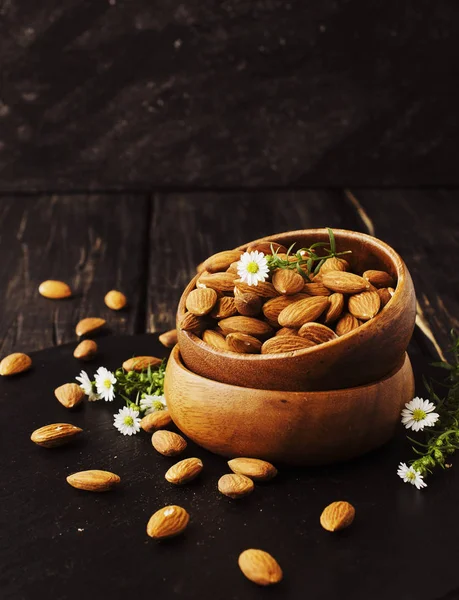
(264,289)
(190,322)
(364,306)
(86,350)
(233,267)
(168,338)
(139,363)
(272,308)
(115,300)
(346,324)
(335,309)
(221,261)
(384,296)
(303,311)
(243,343)
(267,247)
(54,435)
(248,304)
(260,567)
(224,308)
(317,333)
(156,420)
(215,339)
(247,325)
(168,522)
(184,471)
(344,283)
(201,301)
(168,443)
(286,331)
(334,264)
(337,516)
(379,279)
(235,485)
(285,343)
(89,325)
(287,281)
(54,289)
(315,289)
(69,394)
(254,468)
(94,480)
(15,363)
(221,282)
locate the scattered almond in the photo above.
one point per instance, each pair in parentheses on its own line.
(156,420)
(168,443)
(190,322)
(224,308)
(260,567)
(69,394)
(287,281)
(221,261)
(54,435)
(264,289)
(221,282)
(201,301)
(15,363)
(337,516)
(235,485)
(303,311)
(346,324)
(86,350)
(89,325)
(335,308)
(317,333)
(285,343)
(379,279)
(243,343)
(364,306)
(55,290)
(254,468)
(139,363)
(248,304)
(115,300)
(344,283)
(384,296)
(248,325)
(215,339)
(94,480)
(168,338)
(184,471)
(168,522)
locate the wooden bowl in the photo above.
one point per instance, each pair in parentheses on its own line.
(361,356)
(302,428)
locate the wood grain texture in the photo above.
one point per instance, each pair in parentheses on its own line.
(227,94)
(94,243)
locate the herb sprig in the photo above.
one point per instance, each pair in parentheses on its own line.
(148,382)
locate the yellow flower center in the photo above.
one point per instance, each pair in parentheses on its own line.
(157,405)
(107,383)
(129,421)
(253,267)
(419,414)
(410,475)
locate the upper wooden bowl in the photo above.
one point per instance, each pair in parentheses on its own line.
(361,356)
(303,428)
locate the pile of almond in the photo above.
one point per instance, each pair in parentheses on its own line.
(284,313)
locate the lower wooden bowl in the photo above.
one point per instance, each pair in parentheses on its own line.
(298,428)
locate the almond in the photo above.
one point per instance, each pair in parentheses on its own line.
(94,480)
(139,363)
(315,289)
(335,309)
(156,420)
(54,289)
(243,343)
(215,339)
(334,264)
(267,247)
(224,308)
(287,281)
(317,333)
(115,300)
(286,331)
(190,322)
(168,443)
(221,261)
(221,282)
(184,471)
(272,308)
(233,267)
(264,289)
(168,522)
(379,279)
(69,394)
(168,338)
(89,325)
(260,567)
(247,325)
(344,283)
(248,304)
(364,306)
(303,311)
(200,267)
(256,469)
(54,435)
(285,343)
(337,516)
(235,485)
(15,363)
(346,324)
(201,301)
(384,296)
(86,350)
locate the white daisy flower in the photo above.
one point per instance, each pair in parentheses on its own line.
(87,386)
(253,267)
(127,421)
(410,475)
(418,413)
(152,404)
(105,384)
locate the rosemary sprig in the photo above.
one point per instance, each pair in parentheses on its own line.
(308,260)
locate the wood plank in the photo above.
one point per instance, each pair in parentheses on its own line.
(423,226)
(94,243)
(236,94)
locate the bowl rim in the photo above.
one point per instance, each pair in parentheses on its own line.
(396,260)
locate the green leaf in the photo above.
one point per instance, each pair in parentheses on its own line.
(331,235)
